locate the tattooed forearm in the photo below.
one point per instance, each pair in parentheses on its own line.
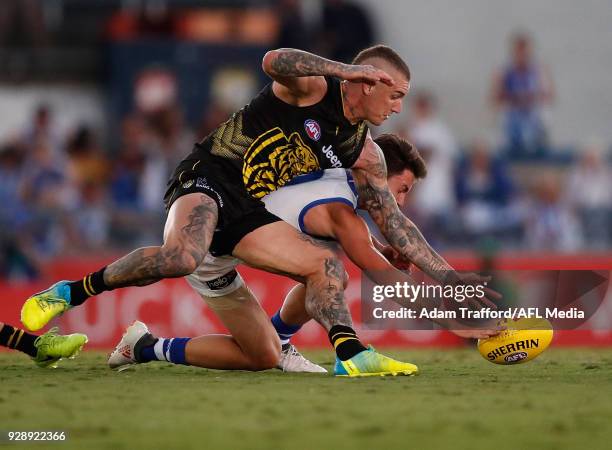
(183,250)
(297,63)
(325,296)
(402,234)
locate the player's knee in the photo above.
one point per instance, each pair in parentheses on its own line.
(267,358)
(178,262)
(345,280)
(326,263)
(332,266)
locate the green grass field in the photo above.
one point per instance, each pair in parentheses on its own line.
(561,400)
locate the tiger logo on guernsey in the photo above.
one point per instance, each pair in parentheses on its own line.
(274,159)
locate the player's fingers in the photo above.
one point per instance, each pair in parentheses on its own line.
(385,78)
(502,325)
(489,333)
(370,79)
(474,304)
(475,278)
(486,303)
(480,303)
(479,334)
(402,265)
(492,294)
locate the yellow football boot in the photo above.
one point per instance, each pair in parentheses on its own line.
(52,347)
(370,363)
(40,308)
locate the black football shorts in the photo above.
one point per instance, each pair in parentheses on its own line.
(239,213)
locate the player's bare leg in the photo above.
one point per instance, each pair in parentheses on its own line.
(292,314)
(287,321)
(293,310)
(252,345)
(187,235)
(278,247)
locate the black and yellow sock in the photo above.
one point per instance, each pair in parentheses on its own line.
(345,342)
(88,286)
(18,339)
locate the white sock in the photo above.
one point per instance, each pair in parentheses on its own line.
(158,348)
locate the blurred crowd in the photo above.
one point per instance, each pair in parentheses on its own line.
(514,191)
(74,191)
(65,194)
(478,191)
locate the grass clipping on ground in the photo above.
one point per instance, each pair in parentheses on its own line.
(561,400)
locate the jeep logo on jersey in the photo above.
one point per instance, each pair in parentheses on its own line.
(515,357)
(329,154)
(313,129)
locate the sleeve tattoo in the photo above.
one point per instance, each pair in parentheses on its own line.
(401,232)
(297,63)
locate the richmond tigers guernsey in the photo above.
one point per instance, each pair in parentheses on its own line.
(270,142)
(259,149)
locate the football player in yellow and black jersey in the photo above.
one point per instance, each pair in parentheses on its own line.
(311,116)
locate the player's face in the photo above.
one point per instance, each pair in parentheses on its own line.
(400,185)
(383,100)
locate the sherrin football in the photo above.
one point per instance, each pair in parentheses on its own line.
(522,341)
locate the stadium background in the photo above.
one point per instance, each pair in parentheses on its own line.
(100,99)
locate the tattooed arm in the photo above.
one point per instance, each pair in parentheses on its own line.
(298,75)
(370,174)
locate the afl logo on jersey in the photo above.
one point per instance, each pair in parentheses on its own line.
(313,129)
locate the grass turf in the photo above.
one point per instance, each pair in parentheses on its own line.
(561,400)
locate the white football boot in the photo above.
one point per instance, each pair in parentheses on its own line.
(135,337)
(292,361)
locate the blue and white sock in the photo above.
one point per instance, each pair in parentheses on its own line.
(285,332)
(171,350)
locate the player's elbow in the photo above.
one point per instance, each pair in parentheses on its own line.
(267,61)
